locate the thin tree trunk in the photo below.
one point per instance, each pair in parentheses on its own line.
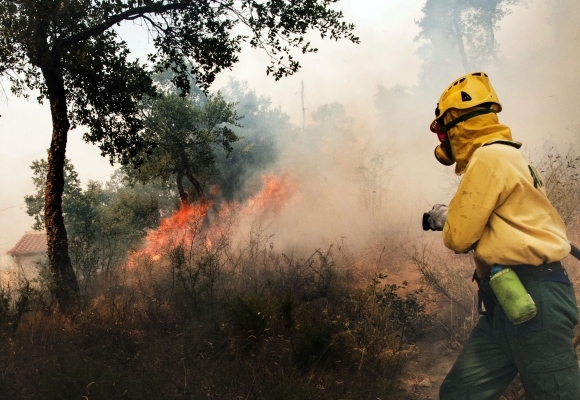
(183,196)
(67,287)
(491,14)
(195,184)
(459,38)
(191,178)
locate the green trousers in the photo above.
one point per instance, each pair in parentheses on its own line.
(540,350)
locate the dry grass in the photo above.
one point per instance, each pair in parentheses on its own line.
(216,322)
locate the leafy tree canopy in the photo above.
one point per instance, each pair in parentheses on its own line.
(103,222)
(187,132)
(77,41)
(35,202)
(69,51)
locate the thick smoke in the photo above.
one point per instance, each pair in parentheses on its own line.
(365,164)
(367,171)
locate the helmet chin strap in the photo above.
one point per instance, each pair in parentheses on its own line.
(465,117)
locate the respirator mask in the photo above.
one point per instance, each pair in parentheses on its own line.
(443,152)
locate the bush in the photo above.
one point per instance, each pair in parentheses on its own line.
(448,278)
(192,324)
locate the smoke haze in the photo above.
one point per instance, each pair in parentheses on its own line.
(364,162)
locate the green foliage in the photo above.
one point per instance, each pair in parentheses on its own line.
(71,195)
(71,54)
(111,222)
(226,139)
(71,40)
(78,42)
(187,132)
(102,223)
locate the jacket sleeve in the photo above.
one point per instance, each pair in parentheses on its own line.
(478,195)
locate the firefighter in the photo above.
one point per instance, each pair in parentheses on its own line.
(501,212)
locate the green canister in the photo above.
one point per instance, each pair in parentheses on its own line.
(513,297)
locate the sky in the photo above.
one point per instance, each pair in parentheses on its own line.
(536,80)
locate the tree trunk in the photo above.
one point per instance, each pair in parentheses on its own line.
(456,17)
(183,197)
(66,284)
(191,178)
(195,183)
(491,14)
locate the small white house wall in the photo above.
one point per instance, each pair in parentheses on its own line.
(20,268)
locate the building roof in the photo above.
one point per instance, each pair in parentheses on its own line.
(31,243)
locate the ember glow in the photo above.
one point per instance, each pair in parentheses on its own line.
(202,224)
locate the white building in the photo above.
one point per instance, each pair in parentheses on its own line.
(26,254)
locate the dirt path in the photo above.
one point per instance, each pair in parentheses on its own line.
(424,374)
(435,352)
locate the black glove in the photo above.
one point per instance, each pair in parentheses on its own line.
(435,219)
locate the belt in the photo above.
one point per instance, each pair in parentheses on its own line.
(549,272)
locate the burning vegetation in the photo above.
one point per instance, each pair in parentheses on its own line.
(198,313)
(210,299)
(201,300)
(206,222)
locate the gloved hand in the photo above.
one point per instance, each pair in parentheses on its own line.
(435,219)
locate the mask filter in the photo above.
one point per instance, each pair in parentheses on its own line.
(444,155)
(443,152)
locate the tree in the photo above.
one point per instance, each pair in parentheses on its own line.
(461,33)
(102,222)
(262,128)
(186,132)
(69,51)
(72,191)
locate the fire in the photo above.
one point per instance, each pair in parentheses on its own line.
(276,192)
(204,225)
(173,231)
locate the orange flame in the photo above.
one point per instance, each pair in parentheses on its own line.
(173,231)
(192,222)
(275,194)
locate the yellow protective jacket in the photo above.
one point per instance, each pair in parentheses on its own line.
(500,209)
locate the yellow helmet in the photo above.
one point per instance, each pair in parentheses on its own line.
(468,91)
